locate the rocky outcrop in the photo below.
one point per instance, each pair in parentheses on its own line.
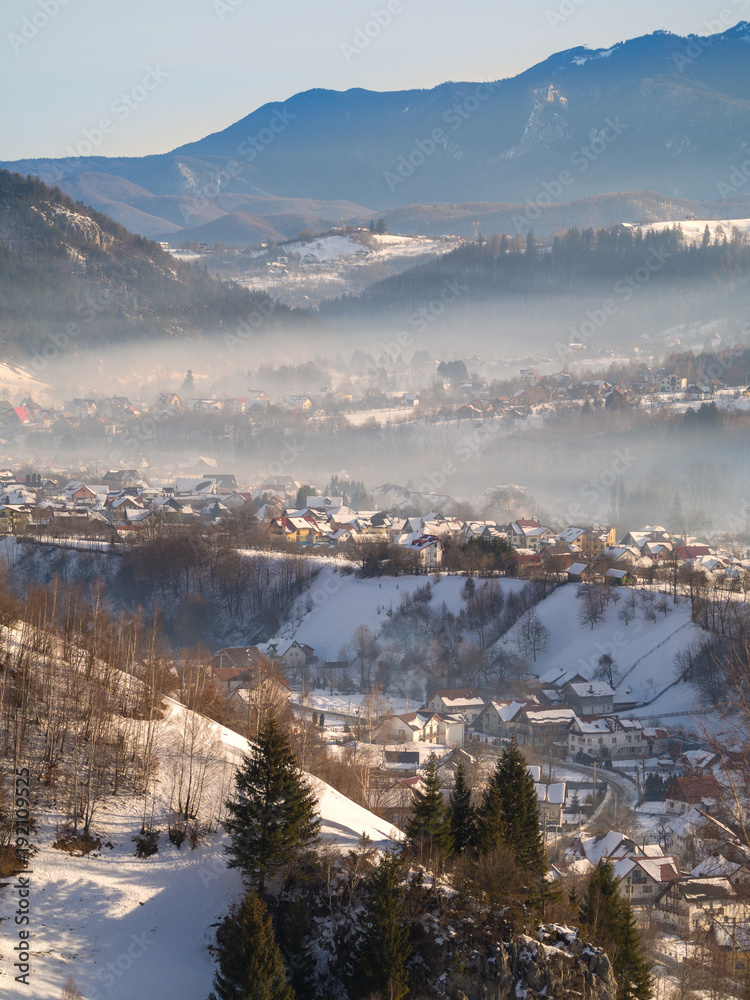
(557,966)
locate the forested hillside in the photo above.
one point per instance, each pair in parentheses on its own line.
(629,280)
(71,275)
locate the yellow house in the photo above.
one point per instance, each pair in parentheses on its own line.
(296,529)
(13,520)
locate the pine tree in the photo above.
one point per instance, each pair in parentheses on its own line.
(295,943)
(428,829)
(379,962)
(633,972)
(275,816)
(462,815)
(610,924)
(509,813)
(250,962)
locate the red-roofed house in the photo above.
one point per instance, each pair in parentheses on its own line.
(643,879)
(692,791)
(693,551)
(428,550)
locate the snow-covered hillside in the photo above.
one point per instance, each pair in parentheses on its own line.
(382,246)
(303,272)
(339,603)
(643,650)
(16,382)
(694,228)
(128,928)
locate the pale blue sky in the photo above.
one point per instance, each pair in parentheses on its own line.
(163,72)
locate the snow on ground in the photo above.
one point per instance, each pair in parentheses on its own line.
(321,558)
(694,228)
(340,603)
(393,415)
(337,247)
(347,704)
(16,382)
(326,248)
(643,651)
(189,255)
(679,707)
(130,928)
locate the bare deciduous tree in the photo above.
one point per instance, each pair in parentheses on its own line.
(533,634)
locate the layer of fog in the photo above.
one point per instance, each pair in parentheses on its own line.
(570,468)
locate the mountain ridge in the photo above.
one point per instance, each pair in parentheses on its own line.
(683,101)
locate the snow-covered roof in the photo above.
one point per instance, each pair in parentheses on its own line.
(591,689)
(542,716)
(605,846)
(554,793)
(593,727)
(508,711)
(558,676)
(571,866)
(700,890)
(460,697)
(570,534)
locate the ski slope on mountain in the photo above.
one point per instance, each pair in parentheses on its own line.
(128,928)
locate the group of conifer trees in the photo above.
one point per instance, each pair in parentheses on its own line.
(496,843)
(507,816)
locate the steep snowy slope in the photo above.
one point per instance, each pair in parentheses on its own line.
(127,928)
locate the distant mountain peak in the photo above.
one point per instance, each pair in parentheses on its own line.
(525,140)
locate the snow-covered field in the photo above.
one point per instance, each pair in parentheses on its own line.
(303,273)
(132,929)
(347,704)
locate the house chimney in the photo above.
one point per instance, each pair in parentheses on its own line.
(591,688)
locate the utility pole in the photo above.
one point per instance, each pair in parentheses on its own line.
(593,790)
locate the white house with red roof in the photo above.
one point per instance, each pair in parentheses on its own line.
(426,549)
